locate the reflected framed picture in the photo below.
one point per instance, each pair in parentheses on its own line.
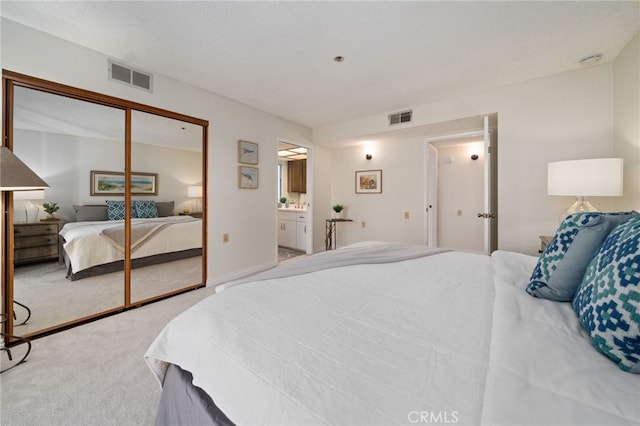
(112,183)
(369,182)
(247,177)
(247,152)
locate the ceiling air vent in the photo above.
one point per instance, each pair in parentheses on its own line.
(400,117)
(127,75)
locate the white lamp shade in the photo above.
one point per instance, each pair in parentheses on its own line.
(600,177)
(29,195)
(194,191)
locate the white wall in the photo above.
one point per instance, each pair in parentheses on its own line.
(65,163)
(567,116)
(460,198)
(626,108)
(383,214)
(248,216)
(321,169)
(562,117)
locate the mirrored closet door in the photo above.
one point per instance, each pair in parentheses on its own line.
(61,139)
(122,222)
(166,182)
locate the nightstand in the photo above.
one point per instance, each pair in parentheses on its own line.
(544,241)
(36,242)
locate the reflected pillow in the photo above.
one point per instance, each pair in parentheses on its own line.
(608,300)
(561,266)
(165,208)
(90,212)
(115,210)
(145,209)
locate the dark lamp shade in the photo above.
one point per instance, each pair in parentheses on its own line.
(15,175)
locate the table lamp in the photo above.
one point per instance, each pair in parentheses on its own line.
(599,177)
(195,192)
(30,210)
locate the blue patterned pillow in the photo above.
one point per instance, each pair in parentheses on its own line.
(608,300)
(145,209)
(561,267)
(115,210)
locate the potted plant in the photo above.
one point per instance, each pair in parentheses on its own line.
(282,201)
(337,208)
(51,208)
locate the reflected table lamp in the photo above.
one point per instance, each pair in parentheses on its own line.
(195,192)
(30,210)
(16,176)
(599,177)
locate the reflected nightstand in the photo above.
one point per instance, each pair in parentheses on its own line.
(192,214)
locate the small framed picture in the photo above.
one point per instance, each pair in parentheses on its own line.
(369,182)
(247,152)
(247,177)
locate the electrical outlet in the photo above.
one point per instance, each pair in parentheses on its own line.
(225,238)
(406,215)
(363,224)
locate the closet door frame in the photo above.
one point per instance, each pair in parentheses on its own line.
(12,79)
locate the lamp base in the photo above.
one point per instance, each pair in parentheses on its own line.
(582,204)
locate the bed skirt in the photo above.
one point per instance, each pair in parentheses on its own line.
(135,263)
(182,403)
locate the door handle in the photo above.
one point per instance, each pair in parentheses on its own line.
(487,215)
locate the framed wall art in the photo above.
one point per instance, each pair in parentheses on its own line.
(369,182)
(247,152)
(112,183)
(247,177)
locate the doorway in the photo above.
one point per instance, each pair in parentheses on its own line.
(294,217)
(462,189)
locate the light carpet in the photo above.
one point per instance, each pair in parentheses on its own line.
(93,374)
(54,300)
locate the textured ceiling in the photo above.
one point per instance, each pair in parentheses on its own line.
(278,56)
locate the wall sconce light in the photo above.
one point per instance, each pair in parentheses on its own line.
(368,149)
(474,157)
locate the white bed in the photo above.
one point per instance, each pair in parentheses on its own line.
(446,338)
(86,245)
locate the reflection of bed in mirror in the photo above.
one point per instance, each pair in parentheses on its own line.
(96,247)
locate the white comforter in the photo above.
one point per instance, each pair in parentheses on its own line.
(412,342)
(85,246)
(543,369)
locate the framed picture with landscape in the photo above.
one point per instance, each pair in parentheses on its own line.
(369,182)
(112,183)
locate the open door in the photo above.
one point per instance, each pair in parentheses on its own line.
(490,213)
(443,155)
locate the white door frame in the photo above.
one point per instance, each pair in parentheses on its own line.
(431,178)
(431,185)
